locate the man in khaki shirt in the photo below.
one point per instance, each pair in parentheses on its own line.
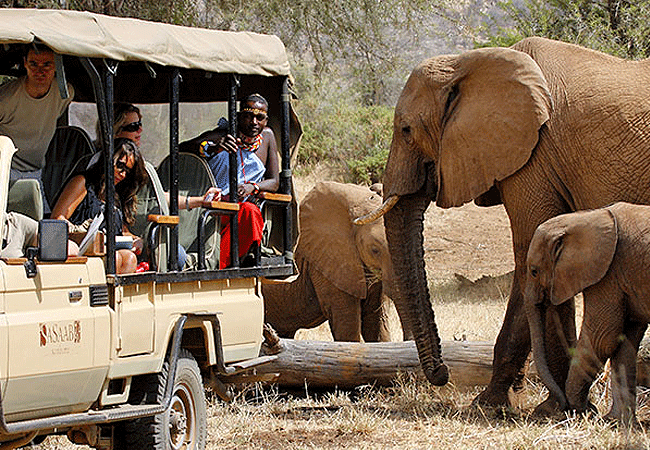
(29,109)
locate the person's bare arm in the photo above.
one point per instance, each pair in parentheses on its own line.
(271,181)
(72,195)
(191,202)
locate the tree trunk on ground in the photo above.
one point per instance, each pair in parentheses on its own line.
(324,364)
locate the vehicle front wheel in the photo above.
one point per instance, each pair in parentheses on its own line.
(182,426)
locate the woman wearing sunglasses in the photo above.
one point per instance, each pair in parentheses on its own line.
(83,197)
(127,122)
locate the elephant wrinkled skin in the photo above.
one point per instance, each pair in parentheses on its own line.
(345,269)
(602,253)
(543,127)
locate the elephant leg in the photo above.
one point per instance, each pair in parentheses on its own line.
(512,346)
(623,378)
(511,350)
(342,310)
(374,317)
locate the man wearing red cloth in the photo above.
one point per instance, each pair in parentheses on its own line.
(257,169)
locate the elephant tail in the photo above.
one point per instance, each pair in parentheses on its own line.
(539,352)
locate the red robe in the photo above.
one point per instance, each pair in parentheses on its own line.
(251,224)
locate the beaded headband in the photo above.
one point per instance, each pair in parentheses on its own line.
(254,110)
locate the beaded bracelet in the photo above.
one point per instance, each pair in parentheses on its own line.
(256,188)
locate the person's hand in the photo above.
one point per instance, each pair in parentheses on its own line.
(212,195)
(138,245)
(246,189)
(229,144)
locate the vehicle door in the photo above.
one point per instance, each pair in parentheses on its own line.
(57,330)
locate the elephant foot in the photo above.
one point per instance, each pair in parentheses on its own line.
(504,390)
(548,408)
(493,397)
(627,420)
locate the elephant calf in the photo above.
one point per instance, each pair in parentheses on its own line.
(605,253)
(345,269)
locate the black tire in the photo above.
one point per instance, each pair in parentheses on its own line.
(182,426)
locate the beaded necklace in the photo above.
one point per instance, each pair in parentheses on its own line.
(252,147)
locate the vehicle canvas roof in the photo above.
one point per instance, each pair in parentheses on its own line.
(147,54)
(93,35)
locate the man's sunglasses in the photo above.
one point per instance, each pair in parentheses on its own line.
(131,127)
(122,167)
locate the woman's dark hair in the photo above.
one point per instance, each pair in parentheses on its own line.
(120,110)
(125,190)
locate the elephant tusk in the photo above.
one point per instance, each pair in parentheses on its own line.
(370,217)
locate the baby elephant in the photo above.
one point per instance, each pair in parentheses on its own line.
(604,253)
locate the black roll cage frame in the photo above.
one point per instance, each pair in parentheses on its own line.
(102,81)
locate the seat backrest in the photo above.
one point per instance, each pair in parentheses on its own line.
(151,200)
(68,145)
(25,197)
(194,179)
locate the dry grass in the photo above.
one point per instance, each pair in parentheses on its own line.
(413,414)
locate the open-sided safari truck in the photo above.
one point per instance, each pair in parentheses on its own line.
(120,360)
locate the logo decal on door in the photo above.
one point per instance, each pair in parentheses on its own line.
(53,333)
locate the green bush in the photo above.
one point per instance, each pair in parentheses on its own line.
(616,27)
(348,136)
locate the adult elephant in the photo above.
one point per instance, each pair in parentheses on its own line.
(345,269)
(543,127)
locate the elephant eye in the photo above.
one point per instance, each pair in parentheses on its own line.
(534,272)
(406,131)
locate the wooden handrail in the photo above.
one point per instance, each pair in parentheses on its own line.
(228,206)
(274,196)
(167,220)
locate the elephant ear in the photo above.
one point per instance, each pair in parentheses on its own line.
(327,239)
(498,101)
(582,252)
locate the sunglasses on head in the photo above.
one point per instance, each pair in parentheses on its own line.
(122,167)
(131,127)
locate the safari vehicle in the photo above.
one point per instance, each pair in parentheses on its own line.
(120,361)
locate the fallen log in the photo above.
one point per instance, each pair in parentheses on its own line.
(325,364)
(321,364)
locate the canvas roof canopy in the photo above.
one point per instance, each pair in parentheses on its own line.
(144,50)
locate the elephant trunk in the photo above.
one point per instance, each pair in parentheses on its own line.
(536,326)
(404,228)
